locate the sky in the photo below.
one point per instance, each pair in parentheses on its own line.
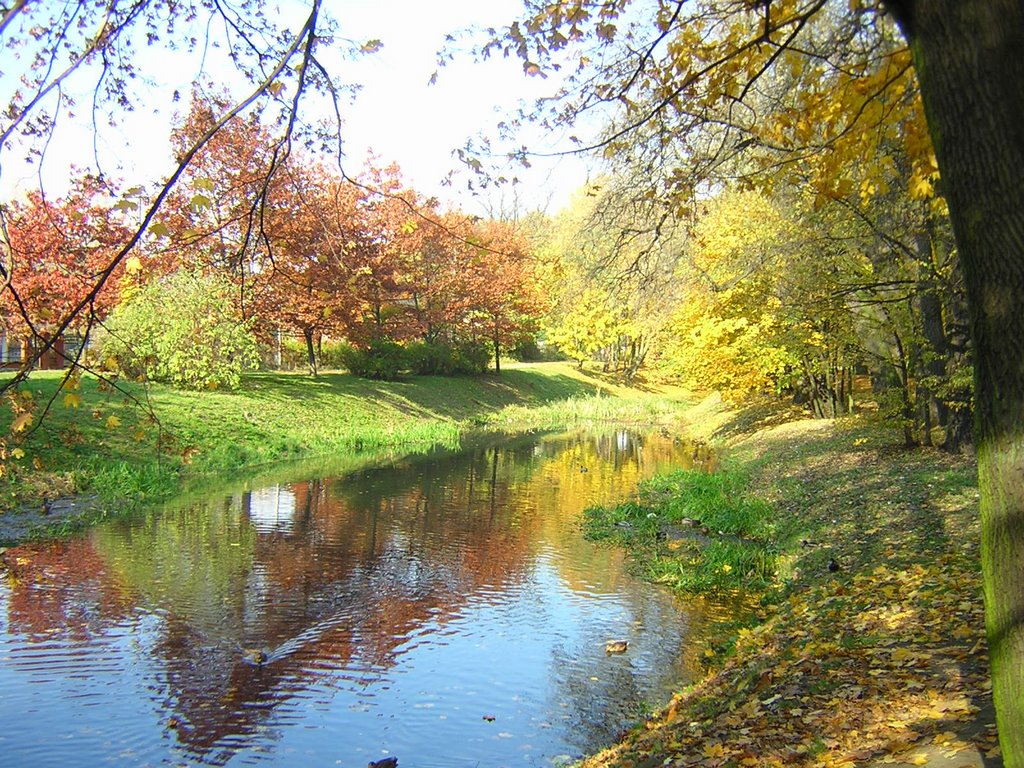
(397,114)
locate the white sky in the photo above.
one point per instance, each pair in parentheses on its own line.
(397,114)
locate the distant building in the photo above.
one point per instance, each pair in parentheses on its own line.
(15,349)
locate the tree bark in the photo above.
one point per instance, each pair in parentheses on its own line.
(307,333)
(969,57)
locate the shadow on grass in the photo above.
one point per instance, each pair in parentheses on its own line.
(456,397)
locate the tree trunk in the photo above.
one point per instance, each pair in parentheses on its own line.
(906,401)
(969,56)
(307,333)
(497,352)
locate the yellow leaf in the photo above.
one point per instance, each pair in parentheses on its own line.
(159,229)
(717,750)
(23,422)
(920,760)
(921,188)
(113,422)
(18,453)
(72,400)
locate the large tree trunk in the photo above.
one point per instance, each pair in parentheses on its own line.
(969,56)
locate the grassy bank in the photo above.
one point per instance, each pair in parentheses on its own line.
(101,444)
(868,645)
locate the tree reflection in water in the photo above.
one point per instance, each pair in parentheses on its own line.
(442,607)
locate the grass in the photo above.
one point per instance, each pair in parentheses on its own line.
(694,531)
(111,449)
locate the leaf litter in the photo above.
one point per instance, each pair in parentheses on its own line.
(883,662)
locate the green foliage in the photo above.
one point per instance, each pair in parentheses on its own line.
(332,354)
(529,351)
(386,360)
(293,354)
(381,359)
(182,329)
(460,358)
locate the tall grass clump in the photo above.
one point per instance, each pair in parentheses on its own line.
(694,530)
(716,500)
(577,410)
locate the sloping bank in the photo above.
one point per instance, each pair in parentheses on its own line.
(96,452)
(867,645)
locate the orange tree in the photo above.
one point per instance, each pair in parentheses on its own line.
(505,303)
(55,250)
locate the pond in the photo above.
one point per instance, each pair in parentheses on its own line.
(442,608)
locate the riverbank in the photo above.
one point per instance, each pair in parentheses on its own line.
(869,647)
(99,451)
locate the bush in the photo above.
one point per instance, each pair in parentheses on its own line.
(293,354)
(383,360)
(182,329)
(332,354)
(432,359)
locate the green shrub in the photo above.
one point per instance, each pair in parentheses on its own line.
(382,359)
(293,354)
(182,329)
(435,359)
(332,354)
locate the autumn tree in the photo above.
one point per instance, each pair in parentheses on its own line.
(381,274)
(967,56)
(440,268)
(607,281)
(504,302)
(588,324)
(55,251)
(317,236)
(216,218)
(83,60)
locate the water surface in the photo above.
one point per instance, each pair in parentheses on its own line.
(441,608)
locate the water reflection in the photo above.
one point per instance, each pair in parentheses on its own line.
(443,608)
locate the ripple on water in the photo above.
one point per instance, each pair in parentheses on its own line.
(445,610)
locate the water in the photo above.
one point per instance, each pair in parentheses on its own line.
(442,608)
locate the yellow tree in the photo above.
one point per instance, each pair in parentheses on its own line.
(587,324)
(683,66)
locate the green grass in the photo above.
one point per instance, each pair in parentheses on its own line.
(695,531)
(111,447)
